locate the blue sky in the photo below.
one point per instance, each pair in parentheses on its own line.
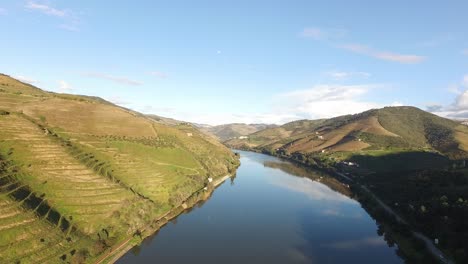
(243,61)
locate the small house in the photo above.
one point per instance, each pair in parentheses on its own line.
(210,179)
(189,134)
(320,137)
(243,137)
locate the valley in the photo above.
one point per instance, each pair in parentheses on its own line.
(79,175)
(412,160)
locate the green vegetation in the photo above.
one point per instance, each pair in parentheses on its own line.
(79,176)
(432,201)
(390,128)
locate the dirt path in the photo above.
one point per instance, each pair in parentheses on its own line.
(104,257)
(437,253)
(432,248)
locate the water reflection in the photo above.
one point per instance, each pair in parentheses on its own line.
(273,212)
(307,173)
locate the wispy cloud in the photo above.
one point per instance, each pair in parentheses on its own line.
(70,20)
(334,35)
(3,11)
(322,34)
(342,75)
(311,189)
(459,108)
(327,100)
(64,86)
(46,9)
(118,100)
(383,55)
(437,40)
(320,101)
(465,52)
(218,118)
(26,79)
(365,242)
(454,88)
(116,79)
(159,74)
(70,27)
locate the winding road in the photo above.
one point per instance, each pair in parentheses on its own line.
(437,253)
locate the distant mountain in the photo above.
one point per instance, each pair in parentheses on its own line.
(166,120)
(233,131)
(397,128)
(220,132)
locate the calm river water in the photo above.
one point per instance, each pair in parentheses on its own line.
(272,212)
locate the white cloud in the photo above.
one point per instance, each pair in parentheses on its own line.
(46,9)
(341,75)
(320,101)
(159,74)
(454,88)
(465,52)
(335,34)
(25,79)
(366,242)
(383,55)
(459,108)
(118,100)
(213,118)
(117,79)
(64,86)
(70,27)
(311,189)
(323,34)
(70,20)
(325,101)
(2,11)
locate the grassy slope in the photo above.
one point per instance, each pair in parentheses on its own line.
(95,173)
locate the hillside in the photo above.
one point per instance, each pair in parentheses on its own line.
(79,175)
(387,129)
(232,131)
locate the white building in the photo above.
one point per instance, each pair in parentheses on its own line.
(243,137)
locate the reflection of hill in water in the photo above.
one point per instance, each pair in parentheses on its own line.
(314,175)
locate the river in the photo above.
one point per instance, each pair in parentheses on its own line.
(272,212)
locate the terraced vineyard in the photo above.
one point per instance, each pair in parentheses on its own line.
(79,175)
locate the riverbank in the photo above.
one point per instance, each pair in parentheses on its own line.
(115,253)
(371,198)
